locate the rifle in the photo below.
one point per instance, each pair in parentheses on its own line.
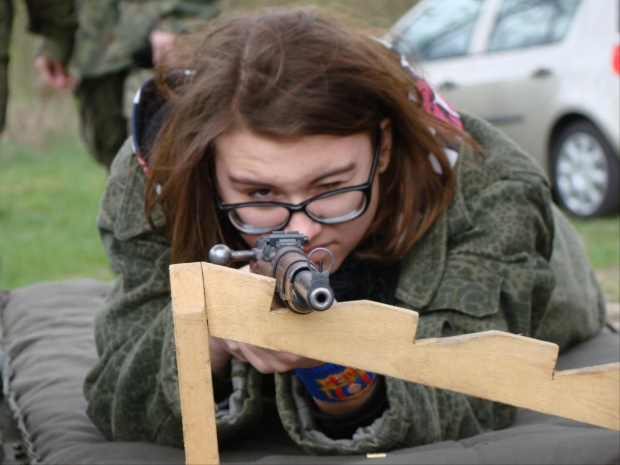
(301,285)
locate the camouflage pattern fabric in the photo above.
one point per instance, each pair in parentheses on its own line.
(111,31)
(102,118)
(501,257)
(104,103)
(55,19)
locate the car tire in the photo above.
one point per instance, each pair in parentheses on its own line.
(584,172)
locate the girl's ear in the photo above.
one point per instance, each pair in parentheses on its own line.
(386,145)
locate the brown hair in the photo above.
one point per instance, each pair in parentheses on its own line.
(291,73)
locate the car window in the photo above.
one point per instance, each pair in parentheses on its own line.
(442,30)
(527,23)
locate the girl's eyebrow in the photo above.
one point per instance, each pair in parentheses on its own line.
(248,181)
(243,181)
(334,172)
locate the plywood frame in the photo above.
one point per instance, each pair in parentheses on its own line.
(213,300)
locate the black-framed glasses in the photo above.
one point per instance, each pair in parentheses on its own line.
(333,207)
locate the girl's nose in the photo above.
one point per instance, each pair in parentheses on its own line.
(304,224)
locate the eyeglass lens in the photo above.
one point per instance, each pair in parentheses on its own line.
(335,208)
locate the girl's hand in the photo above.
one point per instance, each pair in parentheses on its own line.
(264,360)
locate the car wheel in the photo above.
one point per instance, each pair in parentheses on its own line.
(584,172)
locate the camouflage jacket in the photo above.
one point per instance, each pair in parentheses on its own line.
(111,31)
(501,257)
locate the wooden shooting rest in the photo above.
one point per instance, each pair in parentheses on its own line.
(213,300)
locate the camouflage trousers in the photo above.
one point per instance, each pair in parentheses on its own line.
(102,119)
(105,104)
(6,19)
(4,92)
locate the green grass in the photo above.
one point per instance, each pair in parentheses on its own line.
(601,239)
(50,187)
(48,213)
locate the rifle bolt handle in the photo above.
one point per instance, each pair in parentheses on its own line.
(220,254)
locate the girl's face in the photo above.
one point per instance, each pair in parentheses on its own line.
(255,168)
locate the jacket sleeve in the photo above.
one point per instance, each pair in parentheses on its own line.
(133,391)
(56,21)
(129,32)
(52,17)
(494,274)
(187,16)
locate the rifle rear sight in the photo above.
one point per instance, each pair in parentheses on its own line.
(301,285)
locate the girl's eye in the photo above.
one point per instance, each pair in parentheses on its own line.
(331,186)
(261,194)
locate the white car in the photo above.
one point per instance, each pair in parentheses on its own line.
(546,72)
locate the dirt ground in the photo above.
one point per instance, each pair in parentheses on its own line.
(613,314)
(609,278)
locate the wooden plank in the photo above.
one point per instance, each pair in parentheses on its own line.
(193,360)
(492,365)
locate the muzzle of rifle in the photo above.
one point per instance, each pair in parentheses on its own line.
(301,285)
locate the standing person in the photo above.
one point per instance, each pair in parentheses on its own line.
(114,36)
(290,120)
(6,22)
(54,19)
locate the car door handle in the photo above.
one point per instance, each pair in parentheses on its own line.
(541,73)
(447,85)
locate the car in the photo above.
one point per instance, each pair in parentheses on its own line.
(546,72)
